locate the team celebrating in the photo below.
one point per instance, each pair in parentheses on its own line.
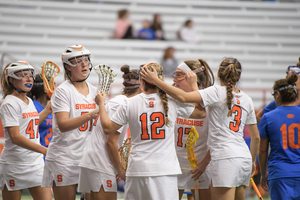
(69,143)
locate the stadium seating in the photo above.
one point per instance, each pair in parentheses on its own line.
(264,36)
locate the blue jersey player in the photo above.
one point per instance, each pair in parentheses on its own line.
(280,170)
(40,100)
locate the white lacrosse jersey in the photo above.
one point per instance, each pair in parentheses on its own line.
(182,130)
(68,147)
(225,138)
(96,156)
(15,112)
(152,142)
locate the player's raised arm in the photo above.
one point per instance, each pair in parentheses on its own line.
(178,94)
(109,127)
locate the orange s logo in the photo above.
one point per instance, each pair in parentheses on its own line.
(59,178)
(151,104)
(109,183)
(12,183)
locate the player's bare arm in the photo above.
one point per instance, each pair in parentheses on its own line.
(109,127)
(176,93)
(18,139)
(112,148)
(65,123)
(263,162)
(254,145)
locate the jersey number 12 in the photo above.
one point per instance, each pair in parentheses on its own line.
(158,121)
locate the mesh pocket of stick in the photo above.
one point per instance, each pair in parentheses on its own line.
(125,152)
(190,147)
(105,77)
(49,71)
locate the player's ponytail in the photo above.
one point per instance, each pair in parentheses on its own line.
(205,78)
(229,72)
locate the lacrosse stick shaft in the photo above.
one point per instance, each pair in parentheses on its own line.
(196,190)
(255,189)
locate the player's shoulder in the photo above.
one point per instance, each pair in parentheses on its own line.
(119,99)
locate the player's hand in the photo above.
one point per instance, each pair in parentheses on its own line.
(264,182)
(100,98)
(121,175)
(48,108)
(198,171)
(191,79)
(148,75)
(94,114)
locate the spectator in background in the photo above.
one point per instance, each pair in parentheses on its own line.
(168,61)
(157,27)
(40,100)
(188,32)
(124,28)
(146,33)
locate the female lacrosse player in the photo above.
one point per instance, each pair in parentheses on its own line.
(153,165)
(280,170)
(40,100)
(271,106)
(74,111)
(97,172)
(229,110)
(21,162)
(205,79)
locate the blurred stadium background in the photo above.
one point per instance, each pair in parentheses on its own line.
(263,35)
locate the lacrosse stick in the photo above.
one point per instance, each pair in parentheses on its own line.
(106,77)
(256,189)
(125,152)
(190,152)
(49,71)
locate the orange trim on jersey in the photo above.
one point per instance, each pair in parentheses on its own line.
(85,106)
(30,114)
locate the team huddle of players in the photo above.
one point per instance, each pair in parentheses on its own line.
(88,130)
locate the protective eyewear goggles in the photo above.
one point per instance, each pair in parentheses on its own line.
(180,75)
(19,75)
(294,69)
(78,60)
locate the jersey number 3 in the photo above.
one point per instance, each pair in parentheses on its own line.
(158,121)
(234,126)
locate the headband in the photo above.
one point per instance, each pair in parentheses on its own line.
(285,88)
(132,83)
(182,66)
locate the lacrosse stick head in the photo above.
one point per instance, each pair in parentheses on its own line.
(49,71)
(105,77)
(190,147)
(125,152)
